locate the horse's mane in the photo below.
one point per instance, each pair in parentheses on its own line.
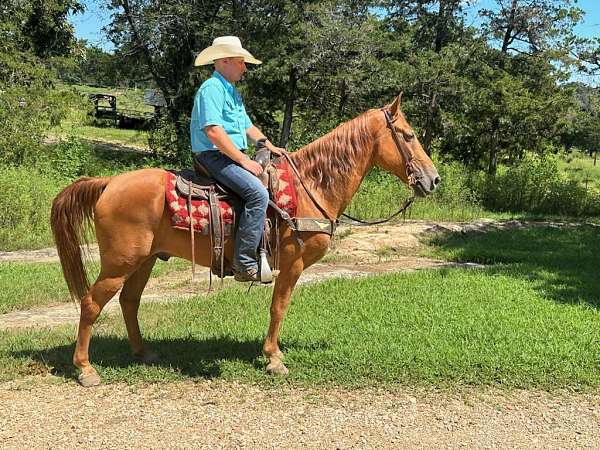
(332,157)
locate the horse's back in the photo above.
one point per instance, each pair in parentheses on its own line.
(139,192)
(130,209)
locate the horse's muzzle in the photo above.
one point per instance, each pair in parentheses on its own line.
(426,183)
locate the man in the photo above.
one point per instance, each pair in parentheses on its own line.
(220,129)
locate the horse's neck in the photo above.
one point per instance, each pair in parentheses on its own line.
(334,165)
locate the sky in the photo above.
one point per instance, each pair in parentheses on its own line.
(89,25)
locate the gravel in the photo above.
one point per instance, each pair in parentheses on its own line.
(217,415)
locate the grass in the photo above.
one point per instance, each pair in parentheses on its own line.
(82,126)
(579,166)
(26,285)
(127,98)
(530,320)
(27,193)
(381,194)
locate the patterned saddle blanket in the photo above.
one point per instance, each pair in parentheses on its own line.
(179,210)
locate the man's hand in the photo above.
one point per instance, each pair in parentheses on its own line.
(251,166)
(255,135)
(275,150)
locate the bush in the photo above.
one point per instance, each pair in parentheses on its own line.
(25,208)
(26,114)
(536,185)
(67,160)
(381,194)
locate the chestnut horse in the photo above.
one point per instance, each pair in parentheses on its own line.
(132,225)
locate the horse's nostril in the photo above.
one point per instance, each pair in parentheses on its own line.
(436,181)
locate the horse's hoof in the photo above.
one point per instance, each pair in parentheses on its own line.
(148,358)
(277,368)
(89,379)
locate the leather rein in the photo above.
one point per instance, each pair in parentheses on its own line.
(406,156)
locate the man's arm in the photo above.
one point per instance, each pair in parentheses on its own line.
(217,135)
(255,134)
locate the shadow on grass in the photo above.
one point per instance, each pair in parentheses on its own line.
(562,261)
(191,357)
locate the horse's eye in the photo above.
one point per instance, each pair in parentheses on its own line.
(409,136)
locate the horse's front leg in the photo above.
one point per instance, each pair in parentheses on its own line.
(284,285)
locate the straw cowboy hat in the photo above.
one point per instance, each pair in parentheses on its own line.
(224,47)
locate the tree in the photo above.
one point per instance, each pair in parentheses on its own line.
(32,34)
(534,28)
(584,130)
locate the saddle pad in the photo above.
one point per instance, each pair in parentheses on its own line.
(177,207)
(285,197)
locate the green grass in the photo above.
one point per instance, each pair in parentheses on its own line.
(580,167)
(82,126)
(26,285)
(381,194)
(532,320)
(127,98)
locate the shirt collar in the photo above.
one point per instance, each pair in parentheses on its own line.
(221,78)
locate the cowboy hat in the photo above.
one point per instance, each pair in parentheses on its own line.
(224,47)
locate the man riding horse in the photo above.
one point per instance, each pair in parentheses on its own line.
(220,129)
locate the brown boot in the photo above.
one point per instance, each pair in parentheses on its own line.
(247,275)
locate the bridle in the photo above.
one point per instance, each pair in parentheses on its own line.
(404,153)
(406,156)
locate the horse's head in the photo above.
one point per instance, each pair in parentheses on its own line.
(398,150)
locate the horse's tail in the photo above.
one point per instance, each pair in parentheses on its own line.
(72,213)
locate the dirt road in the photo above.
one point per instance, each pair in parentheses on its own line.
(228,415)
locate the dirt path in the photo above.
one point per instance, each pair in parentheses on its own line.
(216,415)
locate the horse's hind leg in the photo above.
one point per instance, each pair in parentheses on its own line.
(105,287)
(130,303)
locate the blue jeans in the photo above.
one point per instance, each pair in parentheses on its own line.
(255,198)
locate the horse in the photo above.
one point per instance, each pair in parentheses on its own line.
(132,227)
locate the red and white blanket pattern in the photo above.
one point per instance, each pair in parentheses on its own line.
(285,198)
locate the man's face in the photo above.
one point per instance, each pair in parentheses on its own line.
(231,68)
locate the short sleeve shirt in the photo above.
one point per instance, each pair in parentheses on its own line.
(218,102)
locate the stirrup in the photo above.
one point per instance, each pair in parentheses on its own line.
(266,274)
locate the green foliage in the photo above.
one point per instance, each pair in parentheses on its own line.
(26,114)
(67,160)
(25,208)
(166,145)
(97,67)
(536,185)
(381,194)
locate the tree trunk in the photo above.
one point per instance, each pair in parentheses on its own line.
(509,28)
(289,108)
(440,27)
(506,41)
(493,163)
(429,124)
(343,97)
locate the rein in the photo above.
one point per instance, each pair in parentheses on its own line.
(405,154)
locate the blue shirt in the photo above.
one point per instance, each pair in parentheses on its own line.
(218,102)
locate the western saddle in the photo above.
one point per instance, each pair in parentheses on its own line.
(198,184)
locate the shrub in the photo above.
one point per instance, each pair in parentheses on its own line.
(25,208)
(66,160)
(537,185)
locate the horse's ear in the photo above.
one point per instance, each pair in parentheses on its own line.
(395,107)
